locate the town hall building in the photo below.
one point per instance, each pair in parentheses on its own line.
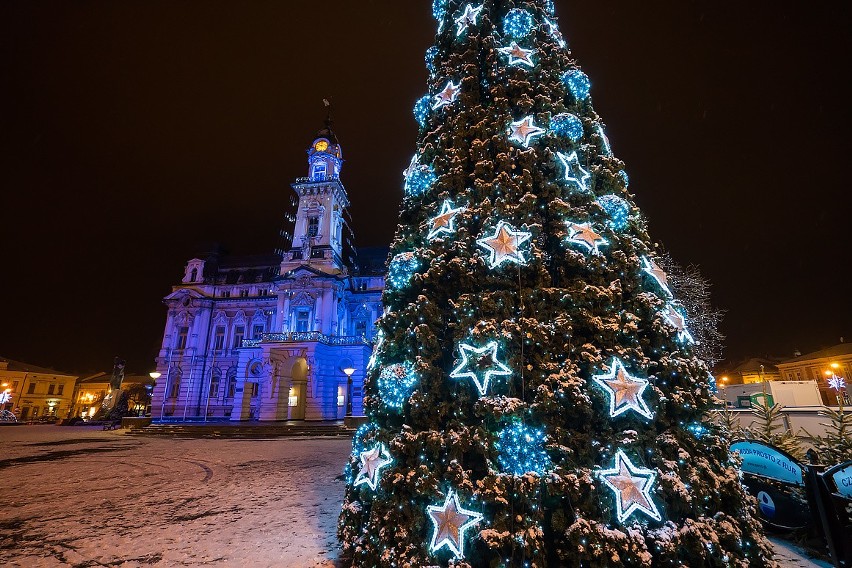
(284,336)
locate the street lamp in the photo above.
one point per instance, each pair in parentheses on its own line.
(155,375)
(348,370)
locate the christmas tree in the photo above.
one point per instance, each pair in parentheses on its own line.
(534,398)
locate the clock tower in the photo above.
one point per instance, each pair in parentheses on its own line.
(321,233)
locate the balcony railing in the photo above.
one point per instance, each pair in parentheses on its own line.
(306,337)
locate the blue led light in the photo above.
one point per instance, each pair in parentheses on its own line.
(518,23)
(622,175)
(578,83)
(396,383)
(418,178)
(422,108)
(606,147)
(617,209)
(711,381)
(402,267)
(439,9)
(431,55)
(567,125)
(365,435)
(698,430)
(574,172)
(522,450)
(549,7)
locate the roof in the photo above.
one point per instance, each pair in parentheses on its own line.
(753,365)
(22,367)
(839,350)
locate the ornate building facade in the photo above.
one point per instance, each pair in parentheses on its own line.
(285,336)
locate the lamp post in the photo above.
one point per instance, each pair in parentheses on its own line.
(349,370)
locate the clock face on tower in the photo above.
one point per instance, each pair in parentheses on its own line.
(321,146)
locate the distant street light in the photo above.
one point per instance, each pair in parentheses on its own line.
(155,375)
(348,370)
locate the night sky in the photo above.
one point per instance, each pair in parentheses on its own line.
(132,133)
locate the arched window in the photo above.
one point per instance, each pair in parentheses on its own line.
(174,383)
(194,275)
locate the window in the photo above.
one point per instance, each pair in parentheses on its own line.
(361,328)
(257,331)
(60,390)
(244,293)
(31,388)
(214,383)
(15,386)
(219,340)
(226,293)
(255,389)
(313,226)
(239,334)
(183,333)
(303,316)
(175,389)
(194,275)
(319,171)
(51,389)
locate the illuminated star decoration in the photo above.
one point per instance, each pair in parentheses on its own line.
(448,96)
(445,221)
(476,369)
(468,18)
(524,130)
(625,392)
(675,319)
(583,235)
(834,382)
(372,461)
(651,267)
(632,488)
(574,172)
(451,521)
(504,245)
(518,55)
(554,32)
(5,397)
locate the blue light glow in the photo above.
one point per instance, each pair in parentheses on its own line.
(631,487)
(522,450)
(396,383)
(624,178)
(439,9)
(549,7)
(401,269)
(567,125)
(418,178)
(475,367)
(431,55)
(711,381)
(518,23)
(364,436)
(617,209)
(422,108)
(574,172)
(698,430)
(578,83)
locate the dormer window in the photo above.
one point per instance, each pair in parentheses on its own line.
(319,171)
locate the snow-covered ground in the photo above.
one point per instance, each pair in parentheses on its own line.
(76,496)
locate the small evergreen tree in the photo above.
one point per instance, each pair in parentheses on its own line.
(836,446)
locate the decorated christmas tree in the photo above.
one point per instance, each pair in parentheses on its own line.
(534,398)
